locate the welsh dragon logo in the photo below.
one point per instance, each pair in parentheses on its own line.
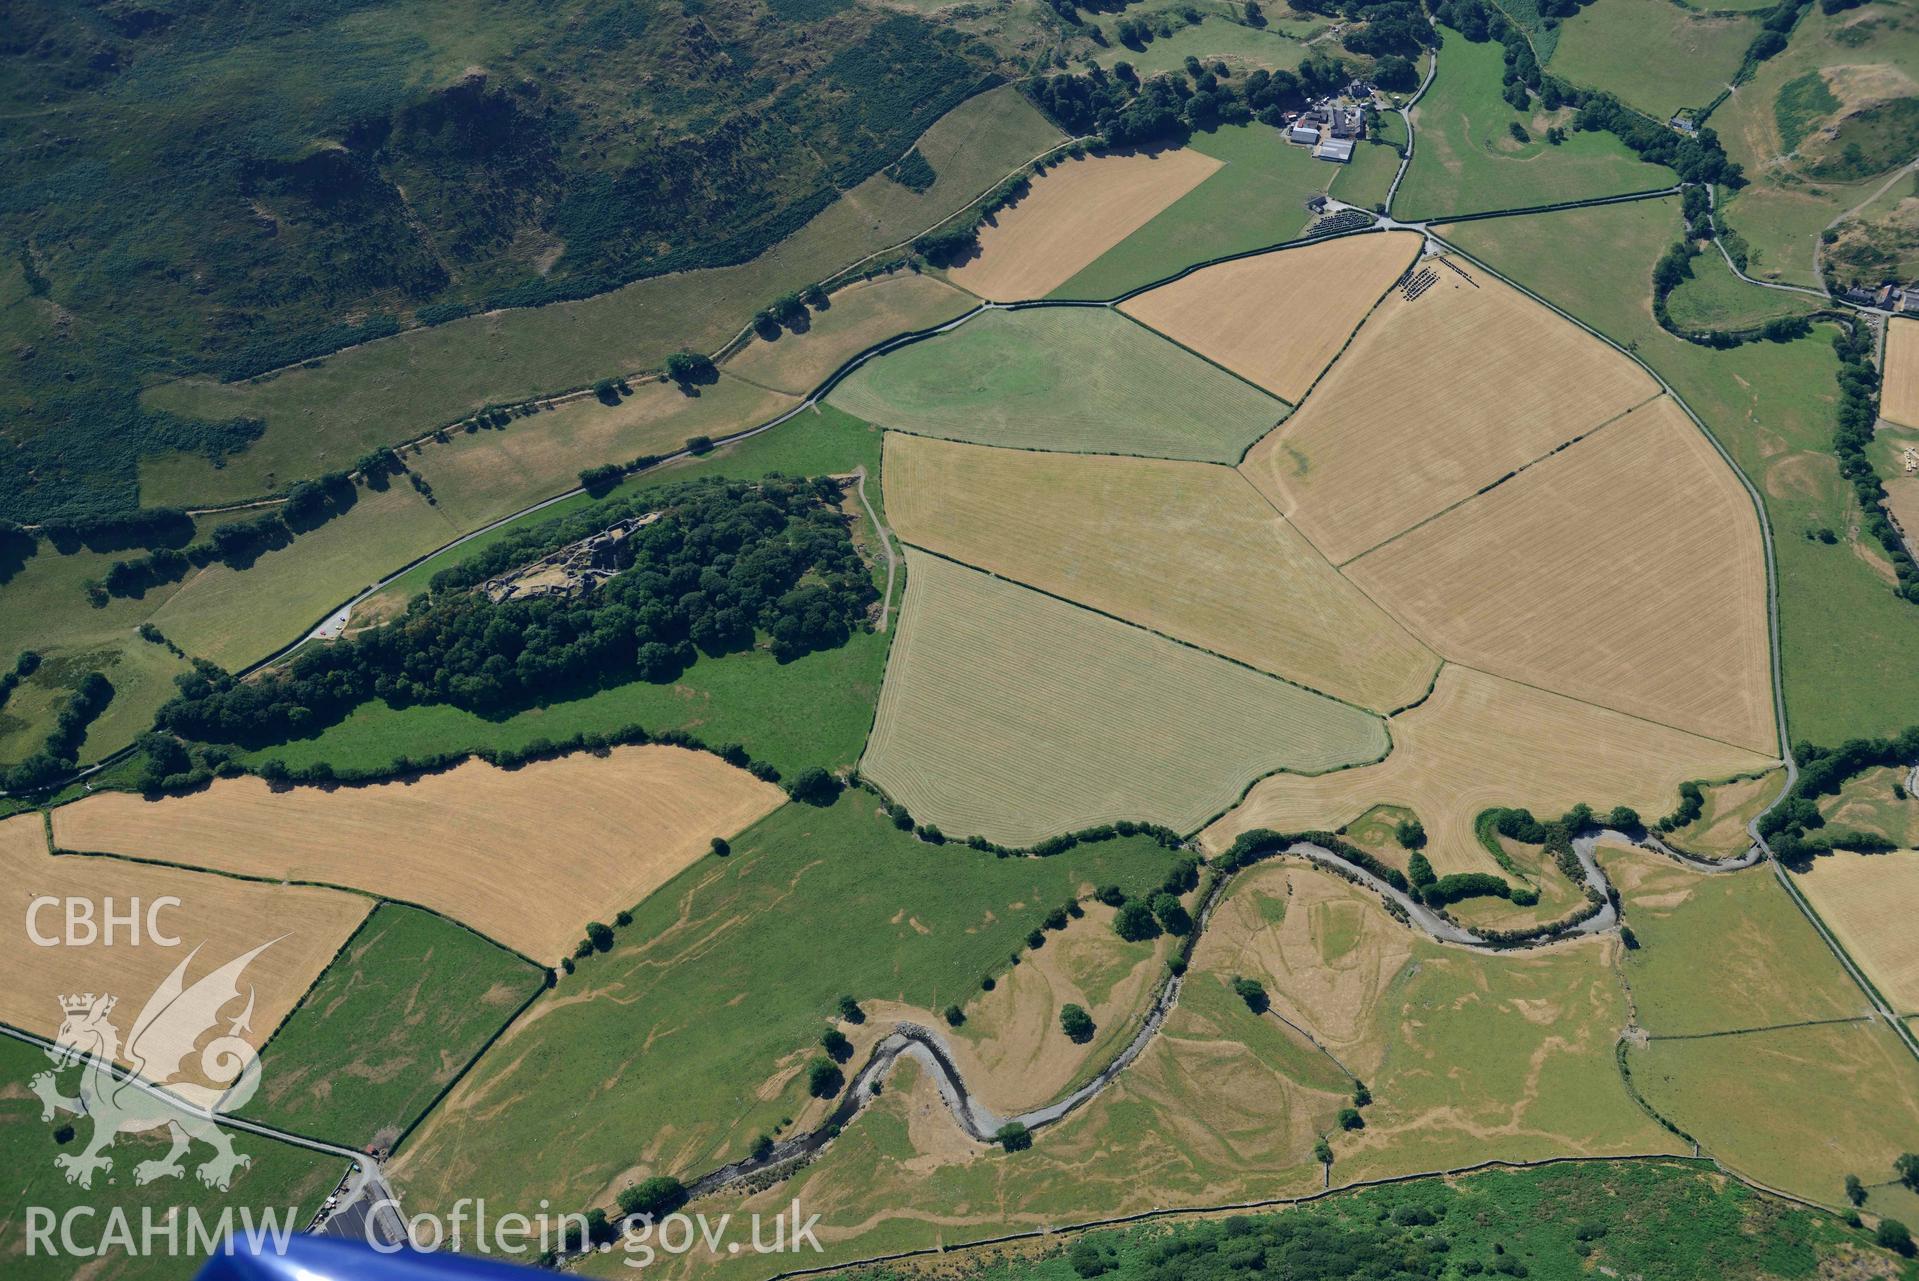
(159,1047)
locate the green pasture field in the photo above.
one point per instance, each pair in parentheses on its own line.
(672,1051)
(283,1180)
(1854,1101)
(1773,407)
(1465,160)
(1014,716)
(1280,19)
(1714,298)
(1675,1220)
(410,1000)
(1367,179)
(1507,1056)
(1866,803)
(813,710)
(44,608)
(325,414)
(238,616)
(1653,54)
(1529,865)
(1240,47)
(1781,217)
(1255,199)
(1376,832)
(1733,952)
(1083,380)
(1483,1058)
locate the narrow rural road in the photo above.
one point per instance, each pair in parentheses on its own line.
(886,545)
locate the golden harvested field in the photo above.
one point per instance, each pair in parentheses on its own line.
(1187,549)
(1720,831)
(1073,214)
(1868,900)
(1434,399)
(482,476)
(861,315)
(1014,716)
(1627,570)
(222,917)
(525,856)
(1280,318)
(1899,398)
(1481,741)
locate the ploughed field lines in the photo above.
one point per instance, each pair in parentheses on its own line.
(302,927)
(1014,716)
(1899,398)
(1625,570)
(602,831)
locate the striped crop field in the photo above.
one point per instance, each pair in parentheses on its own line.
(1642,586)
(1899,400)
(1279,318)
(1068,378)
(1011,715)
(1187,549)
(1445,389)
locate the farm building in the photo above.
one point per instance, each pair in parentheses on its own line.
(1303,132)
(1338,150)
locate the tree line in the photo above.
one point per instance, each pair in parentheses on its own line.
(725,564)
